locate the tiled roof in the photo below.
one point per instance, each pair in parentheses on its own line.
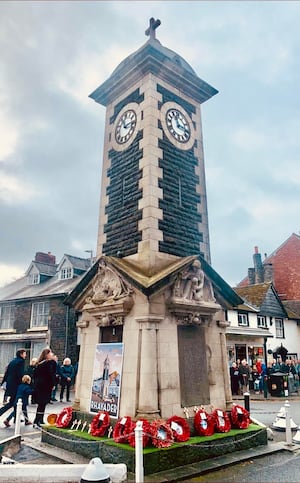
(45,268)
(254,294)
(293,308)
(79,263)
(21,290)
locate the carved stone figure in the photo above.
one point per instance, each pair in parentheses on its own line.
(192,285)
(108,285)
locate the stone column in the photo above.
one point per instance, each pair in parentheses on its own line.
(83,325)
(227,386)
(148,401)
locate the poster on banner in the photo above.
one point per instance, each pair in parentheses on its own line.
(107,372)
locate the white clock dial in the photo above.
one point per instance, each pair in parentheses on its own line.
(178,125)
(125,126)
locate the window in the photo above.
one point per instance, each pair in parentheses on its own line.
(7,316)
(40,314)
(279,327)
(66,273)
(243,319)
(261,322)
(34,279)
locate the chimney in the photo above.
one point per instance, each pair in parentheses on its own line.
(251,276)
(268,272)
(45,258)
(258,266)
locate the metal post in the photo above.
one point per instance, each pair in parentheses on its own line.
(139,468)
(18,417)
(247,401)
(288,431)
(265,386)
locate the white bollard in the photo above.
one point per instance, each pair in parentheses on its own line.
(18,417)
(288,431)
(139,467)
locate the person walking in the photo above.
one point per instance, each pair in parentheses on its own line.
(23,393)
(44,382)
(29,370)
(66,378)
(13,377)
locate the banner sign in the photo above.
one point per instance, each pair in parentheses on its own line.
(106,387)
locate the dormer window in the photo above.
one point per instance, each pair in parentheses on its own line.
(34,279)
(66,273)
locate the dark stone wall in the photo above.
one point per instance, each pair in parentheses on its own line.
(122,211)
(124,194)
(179,204)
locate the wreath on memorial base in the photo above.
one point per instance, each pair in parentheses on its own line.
(180,428)
(64,418)
(100,423)
(222,421)
(204,423)
(240,417)
(161,434)
(146,432)
(122,429)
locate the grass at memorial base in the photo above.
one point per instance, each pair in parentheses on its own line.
(197,448)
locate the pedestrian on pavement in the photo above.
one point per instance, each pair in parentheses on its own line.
(13,377)
(245,375)
(67,375)
(23,393)
(44,382)
(57,379)
(29,370)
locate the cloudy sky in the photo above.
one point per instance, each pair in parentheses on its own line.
(54,54)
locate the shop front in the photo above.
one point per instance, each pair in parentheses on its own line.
(249,344)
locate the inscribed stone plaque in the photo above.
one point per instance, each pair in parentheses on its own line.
(194,386)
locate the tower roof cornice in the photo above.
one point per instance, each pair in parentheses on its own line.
(153,58)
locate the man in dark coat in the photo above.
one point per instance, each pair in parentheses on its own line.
(14,374)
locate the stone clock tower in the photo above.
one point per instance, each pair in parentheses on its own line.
(152,287)
(153,204)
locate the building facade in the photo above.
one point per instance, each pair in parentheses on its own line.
(32,310)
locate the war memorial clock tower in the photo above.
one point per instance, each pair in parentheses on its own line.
(152,287)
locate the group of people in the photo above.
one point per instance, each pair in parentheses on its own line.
(241,374)
(39,380)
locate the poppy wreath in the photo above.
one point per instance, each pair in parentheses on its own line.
(100,423)
(122,429)
(161,434)
(222,421)
(146,432)
(240,417)
(204,423)
(180,428)
(64,418)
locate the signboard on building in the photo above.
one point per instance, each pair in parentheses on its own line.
(107,373)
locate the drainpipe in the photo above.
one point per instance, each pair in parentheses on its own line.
(67,330)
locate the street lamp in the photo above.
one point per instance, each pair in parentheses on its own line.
(91,256)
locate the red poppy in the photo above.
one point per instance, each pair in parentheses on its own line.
(100,423)
(180,428)
(222,421)
(146,432)
(122,430)
(64,418)
(204,423)
(240,417)
(161,434)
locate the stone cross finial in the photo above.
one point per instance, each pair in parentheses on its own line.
(153,24)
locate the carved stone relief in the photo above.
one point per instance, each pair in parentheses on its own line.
(107,287)
(192,285)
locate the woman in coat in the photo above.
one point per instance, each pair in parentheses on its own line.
(44,381)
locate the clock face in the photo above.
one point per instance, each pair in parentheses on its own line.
(125,126)
(178,125)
